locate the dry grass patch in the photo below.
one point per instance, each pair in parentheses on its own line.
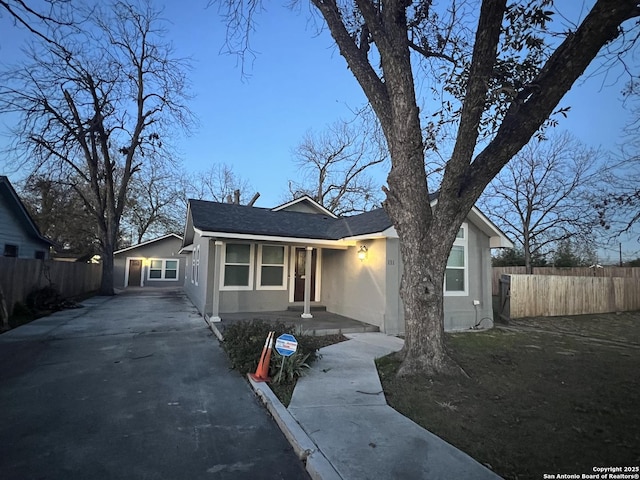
(535,402)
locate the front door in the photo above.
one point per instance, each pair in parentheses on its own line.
(300,274)
(135,272)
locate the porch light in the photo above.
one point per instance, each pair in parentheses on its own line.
(362,253)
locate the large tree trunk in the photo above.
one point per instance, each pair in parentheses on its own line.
(425,242)
(109,239)
(106,284)
(422,295)
(527,255)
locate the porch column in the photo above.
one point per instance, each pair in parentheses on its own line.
(307,284)
(217,255)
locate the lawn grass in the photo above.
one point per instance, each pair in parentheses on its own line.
(534,402)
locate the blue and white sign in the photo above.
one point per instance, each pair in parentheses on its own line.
(286,345)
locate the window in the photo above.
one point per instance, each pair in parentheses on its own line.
(456,276)
(237,266)
(10,250)
(272,267)
(161,269)
(39,255)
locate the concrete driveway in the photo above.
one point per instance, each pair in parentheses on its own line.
(131,387)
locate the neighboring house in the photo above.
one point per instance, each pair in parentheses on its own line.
(19,235)
(248,259)
(156,263)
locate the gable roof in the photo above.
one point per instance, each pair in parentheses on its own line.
(240,221)
(309,202)
(158,239)
(17,207)
(231,218)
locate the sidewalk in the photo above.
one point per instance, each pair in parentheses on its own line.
(339,420)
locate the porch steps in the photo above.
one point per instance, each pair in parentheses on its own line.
(300,308)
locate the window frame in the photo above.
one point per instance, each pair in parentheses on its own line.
(223,265)
(464,243)
(163,270)
(284,265)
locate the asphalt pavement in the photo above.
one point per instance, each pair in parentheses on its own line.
(131,387)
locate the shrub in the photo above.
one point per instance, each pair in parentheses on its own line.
(288,369)
(243,342)
(45,299)
(21,314)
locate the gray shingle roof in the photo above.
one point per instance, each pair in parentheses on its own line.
(231,218)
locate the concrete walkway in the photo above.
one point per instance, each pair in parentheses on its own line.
(339,418)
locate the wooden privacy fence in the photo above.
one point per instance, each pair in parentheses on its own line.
(627,272)
(20,276)
(554,295)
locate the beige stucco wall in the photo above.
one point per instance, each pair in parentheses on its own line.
(355,288)
(459,311)
(394,318)
(253,301)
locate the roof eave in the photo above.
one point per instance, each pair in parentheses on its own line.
(338,244)
(387,233)
(148,242)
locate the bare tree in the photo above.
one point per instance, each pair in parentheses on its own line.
(545,194)
(501,79)
(334,165)
(619,205)
(39,21)
(219,183)
(95,106)
(153,205)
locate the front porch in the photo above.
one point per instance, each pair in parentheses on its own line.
(322,323)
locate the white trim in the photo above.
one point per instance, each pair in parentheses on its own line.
(187,249)
(196,257)
(259,266)
(163,270)
(389,232)
(464,243)
(336,244)
(193,266)
(148,242)
(223,263)
(292,273)
(126,271)
(318,274)
(305,198)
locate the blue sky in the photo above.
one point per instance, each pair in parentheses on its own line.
(297,82)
